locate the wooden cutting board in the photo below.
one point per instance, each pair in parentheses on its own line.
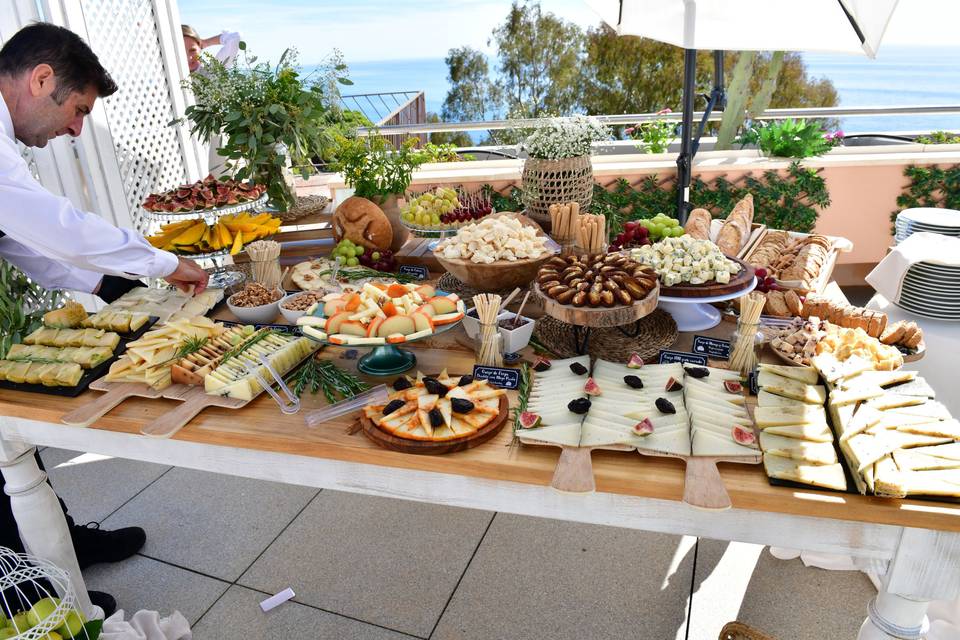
(574,470)
(686,290)
(702,485)
(404,445)
(116,392)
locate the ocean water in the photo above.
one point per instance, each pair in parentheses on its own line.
(899,76)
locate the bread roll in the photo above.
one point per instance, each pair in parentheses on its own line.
(698,224)
(362,222)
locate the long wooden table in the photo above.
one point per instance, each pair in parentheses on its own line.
(914,544)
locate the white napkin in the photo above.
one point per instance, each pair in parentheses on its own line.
(887,277)
(146,625)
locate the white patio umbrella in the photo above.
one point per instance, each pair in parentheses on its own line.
(845,26)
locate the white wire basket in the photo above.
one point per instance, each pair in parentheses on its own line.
(26,579)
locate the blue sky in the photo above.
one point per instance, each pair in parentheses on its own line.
(406,29)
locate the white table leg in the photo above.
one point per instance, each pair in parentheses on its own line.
(926,567)
(43,527)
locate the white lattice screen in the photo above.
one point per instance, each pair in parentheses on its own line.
(125,35)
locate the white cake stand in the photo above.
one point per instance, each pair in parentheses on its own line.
(697,314)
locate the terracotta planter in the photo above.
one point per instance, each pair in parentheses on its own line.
(391,207)
(545,182)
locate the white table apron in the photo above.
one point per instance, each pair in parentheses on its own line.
(917,565)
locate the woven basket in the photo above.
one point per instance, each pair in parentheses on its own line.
(547,182)
(740,631)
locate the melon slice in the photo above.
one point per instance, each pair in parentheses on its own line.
(443,305)
(333,324)
(353,328)
(426,291)
(396,324)
(422,321)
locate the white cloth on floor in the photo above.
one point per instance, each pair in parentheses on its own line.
(146,625)
(887,277)
(944,615)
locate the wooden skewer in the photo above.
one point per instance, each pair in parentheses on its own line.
(283,276)
(510,297)
(516,318)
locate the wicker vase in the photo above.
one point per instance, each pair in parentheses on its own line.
(546,182)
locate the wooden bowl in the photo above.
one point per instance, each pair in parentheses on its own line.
(499,275)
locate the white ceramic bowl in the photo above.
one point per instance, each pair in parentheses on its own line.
(264,314)
(289,314)
(515,339)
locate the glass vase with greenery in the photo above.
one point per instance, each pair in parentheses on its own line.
(266,115)
(790,138)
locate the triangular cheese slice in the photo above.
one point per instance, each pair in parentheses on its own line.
(561,434)
(767,399)
(707,443)
(445,410)
(806,375)
(930,409)
(891,400)
(775,416)
(594,436)
(943,428)
(828,476)
(812,452)
(918,460)
(813,433)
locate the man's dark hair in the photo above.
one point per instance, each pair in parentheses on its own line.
(74,63)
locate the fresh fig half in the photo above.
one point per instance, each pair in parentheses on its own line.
(591,388)
(732,386)
(635,361)
(743,435)
(529,420)
(643,428)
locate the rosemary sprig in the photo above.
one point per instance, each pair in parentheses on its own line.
(523,396)
(243,346)
(187,346)
(359,273)
(323,375)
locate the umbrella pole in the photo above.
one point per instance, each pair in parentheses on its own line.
(685,159)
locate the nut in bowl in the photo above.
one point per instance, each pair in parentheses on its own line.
(255,304)
(297,304)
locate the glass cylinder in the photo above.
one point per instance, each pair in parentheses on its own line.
(489,345)
(266,272)
(747,341)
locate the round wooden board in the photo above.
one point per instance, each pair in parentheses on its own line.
(740,281)
(918,354)
(599,316)
(395,443)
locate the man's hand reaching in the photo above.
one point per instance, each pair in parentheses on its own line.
(188,274)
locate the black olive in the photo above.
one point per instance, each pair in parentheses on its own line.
(401,383)
(580,405)
(436,418)
(459,405)
(665,406)
(465,380)
(697,372)
(433,385)
(578,368)
(392,406)
(633,382)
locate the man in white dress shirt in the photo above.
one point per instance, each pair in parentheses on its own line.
(49,81)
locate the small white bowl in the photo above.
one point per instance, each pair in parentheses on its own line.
(516,339)
(264,314)
(471,325)
(289,314)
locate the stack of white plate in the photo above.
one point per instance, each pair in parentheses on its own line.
(943,221)
(932,291)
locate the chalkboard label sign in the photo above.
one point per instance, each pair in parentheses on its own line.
(712,347)
(682,357)
(417,271)
(498,376)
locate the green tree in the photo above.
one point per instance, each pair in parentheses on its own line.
(472,95)
(539,58)
(456,138)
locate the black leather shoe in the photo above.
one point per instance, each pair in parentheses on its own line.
(105,601)
(95,545)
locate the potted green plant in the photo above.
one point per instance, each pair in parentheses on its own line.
(268,118)
(790,138)
(377,170)
(558,167)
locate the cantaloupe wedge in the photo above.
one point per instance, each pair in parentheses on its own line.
(447,318)
(396,324)
(335,321)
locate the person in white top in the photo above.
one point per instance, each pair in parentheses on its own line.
(49,81)
(229,42)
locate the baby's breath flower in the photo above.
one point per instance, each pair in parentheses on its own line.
(566,137)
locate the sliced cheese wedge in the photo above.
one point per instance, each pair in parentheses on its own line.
(675,442)
(778,385)
(930,409)
(943,428)
(775,416)
(943,482)
(914,387)
(918,460)
(562,434)
(883,378)
(828,476)
(767,399)
(594,436)
(812,452)
(864,419)
(890,400)
(807,375)
(842,397)
(811,432)
(706,443)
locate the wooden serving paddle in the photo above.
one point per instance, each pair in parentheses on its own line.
(574,470)
(116,392)
(193,400)
(702,484)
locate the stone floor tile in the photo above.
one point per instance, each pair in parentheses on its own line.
(211,523)
(783,598)
(94,486)
(141,583)
(237,615)
(389,562)
(536,578)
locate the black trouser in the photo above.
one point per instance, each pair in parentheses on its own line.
(111,288)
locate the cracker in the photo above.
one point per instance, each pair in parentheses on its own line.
(793,303)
